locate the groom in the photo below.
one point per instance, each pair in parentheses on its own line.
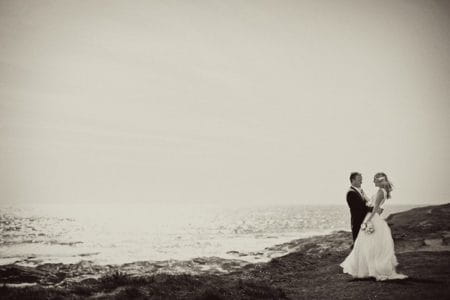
(356,200)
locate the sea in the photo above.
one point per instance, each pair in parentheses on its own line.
(117,234)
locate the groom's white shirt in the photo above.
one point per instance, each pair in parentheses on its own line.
(358,189)
(360,192)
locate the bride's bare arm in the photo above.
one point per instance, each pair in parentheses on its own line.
(380,196)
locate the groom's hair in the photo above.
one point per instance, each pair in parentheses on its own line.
(353,176)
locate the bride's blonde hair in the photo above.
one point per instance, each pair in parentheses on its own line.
(382,177)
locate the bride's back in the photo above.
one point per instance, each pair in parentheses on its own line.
(374,197)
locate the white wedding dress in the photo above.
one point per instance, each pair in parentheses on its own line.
(373,254)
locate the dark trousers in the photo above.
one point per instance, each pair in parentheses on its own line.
(355,230)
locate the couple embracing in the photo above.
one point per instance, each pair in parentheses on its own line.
(372,252)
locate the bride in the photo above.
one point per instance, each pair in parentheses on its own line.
(373,253)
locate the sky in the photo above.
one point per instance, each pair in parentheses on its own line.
(223,102)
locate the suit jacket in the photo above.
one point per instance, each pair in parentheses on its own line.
(358,209)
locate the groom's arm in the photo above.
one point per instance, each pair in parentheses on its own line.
(379,210)
(367,208)
(355,204)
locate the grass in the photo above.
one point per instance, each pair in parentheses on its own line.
(118,285)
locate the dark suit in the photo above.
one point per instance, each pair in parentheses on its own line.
(358,210)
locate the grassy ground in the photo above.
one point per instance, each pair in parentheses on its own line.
(289,277)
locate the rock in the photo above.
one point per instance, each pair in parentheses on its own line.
(21,274)
(419,221)
(433,242)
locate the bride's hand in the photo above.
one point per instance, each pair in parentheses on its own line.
(364,226)
(380,211)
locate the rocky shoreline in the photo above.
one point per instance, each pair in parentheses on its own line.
(310,270)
